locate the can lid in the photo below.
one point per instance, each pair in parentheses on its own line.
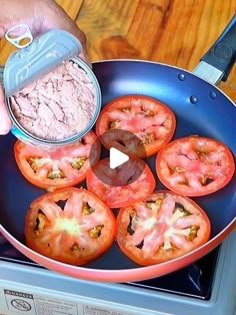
(39,56)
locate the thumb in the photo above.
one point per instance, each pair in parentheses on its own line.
(5,122)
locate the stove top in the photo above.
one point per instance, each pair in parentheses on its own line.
(194,280)
(206,287)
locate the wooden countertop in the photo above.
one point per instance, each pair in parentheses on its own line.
(168,31)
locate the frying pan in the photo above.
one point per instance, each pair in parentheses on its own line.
(200,108)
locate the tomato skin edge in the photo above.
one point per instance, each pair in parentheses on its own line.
(175,189)
(116,203)
(30,239)
(52,185)
(148,261)
(150,148)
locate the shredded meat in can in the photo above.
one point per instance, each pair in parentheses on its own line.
(58,105)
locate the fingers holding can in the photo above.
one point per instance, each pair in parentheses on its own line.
(5,121)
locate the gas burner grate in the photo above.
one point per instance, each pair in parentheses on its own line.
(194,280)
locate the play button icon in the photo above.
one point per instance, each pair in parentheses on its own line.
(117,158)
(122,158)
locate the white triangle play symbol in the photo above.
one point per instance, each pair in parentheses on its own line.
(117,158)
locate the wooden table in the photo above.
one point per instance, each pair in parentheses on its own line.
(176,32)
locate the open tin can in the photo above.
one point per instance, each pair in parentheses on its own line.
(39,57)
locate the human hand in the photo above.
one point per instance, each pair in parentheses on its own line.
(40,16)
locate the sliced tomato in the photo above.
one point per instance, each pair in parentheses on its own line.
(149,119)
(57,168)
(71,225)
(195,166)
(163,227)
(123,185)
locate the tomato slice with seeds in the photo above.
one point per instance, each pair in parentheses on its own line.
(71,225)
(195,166)
(163,227)
(123,185)
(57,168)
(149,119)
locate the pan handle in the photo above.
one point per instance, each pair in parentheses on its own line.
(216,64)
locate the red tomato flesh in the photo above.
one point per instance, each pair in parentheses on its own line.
(150,120)
(195,166)
(71,225)
(163,227)
(120,192)
(60,167)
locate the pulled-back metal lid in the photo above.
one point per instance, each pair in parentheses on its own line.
(37,57)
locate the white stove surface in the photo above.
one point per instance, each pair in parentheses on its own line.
(29,290)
